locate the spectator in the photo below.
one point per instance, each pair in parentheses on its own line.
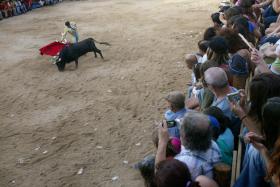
(247,10)
(257,59)
(241,25)
(209,33)
(257,157)
(217,82)
(221,133)
(271,13)
(218,54)
(229,13)
(240,61)
(216,20)
(176,111)
(175,173)
(147,165)
(251,115)
(173,145)
(198,152)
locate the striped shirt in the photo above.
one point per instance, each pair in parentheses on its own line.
(199,162)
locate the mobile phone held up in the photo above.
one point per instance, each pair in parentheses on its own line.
(171,124)
(234,97)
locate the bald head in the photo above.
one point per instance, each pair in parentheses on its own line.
(216,77)
(196,132)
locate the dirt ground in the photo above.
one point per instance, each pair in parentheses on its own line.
(102,114)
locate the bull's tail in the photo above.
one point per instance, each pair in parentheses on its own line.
(103,43)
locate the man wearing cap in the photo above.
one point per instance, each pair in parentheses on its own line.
(177,110)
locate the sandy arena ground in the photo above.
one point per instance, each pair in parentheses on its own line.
(52,124)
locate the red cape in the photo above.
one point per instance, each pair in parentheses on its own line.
(52,49)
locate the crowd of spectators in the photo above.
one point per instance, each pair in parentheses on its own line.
(9,8)
(233,101)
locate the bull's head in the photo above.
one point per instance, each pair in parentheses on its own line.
(60,64)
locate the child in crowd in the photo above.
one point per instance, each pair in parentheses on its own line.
(221,133)
(176,111)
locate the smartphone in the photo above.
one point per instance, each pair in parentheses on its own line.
(234,97)
(171,124)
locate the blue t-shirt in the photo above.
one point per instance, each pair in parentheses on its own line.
(224,105)
(252,26)
(253,171)
(235,122)
(174,116)
(226,144)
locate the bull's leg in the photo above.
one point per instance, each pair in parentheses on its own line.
(76,63)
(99,52)
(95,55)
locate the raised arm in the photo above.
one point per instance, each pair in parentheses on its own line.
(162,143)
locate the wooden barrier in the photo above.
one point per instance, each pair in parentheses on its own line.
(222,173)
(233,168)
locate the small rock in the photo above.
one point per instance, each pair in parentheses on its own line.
(12,115)
(115,178)
(99,147)
(21,160)
(109,91)
(138,144)
(125,162)
(86,124)
(13,181)
(53,138)
(45,152)
(81,171)
(37,148)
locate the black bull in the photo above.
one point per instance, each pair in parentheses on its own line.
(72,52)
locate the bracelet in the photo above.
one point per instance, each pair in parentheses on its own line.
(243,117)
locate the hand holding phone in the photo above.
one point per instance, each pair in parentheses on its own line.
(234,97)
(171,124)
(163,132)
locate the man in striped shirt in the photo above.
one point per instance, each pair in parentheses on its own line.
(198,150)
